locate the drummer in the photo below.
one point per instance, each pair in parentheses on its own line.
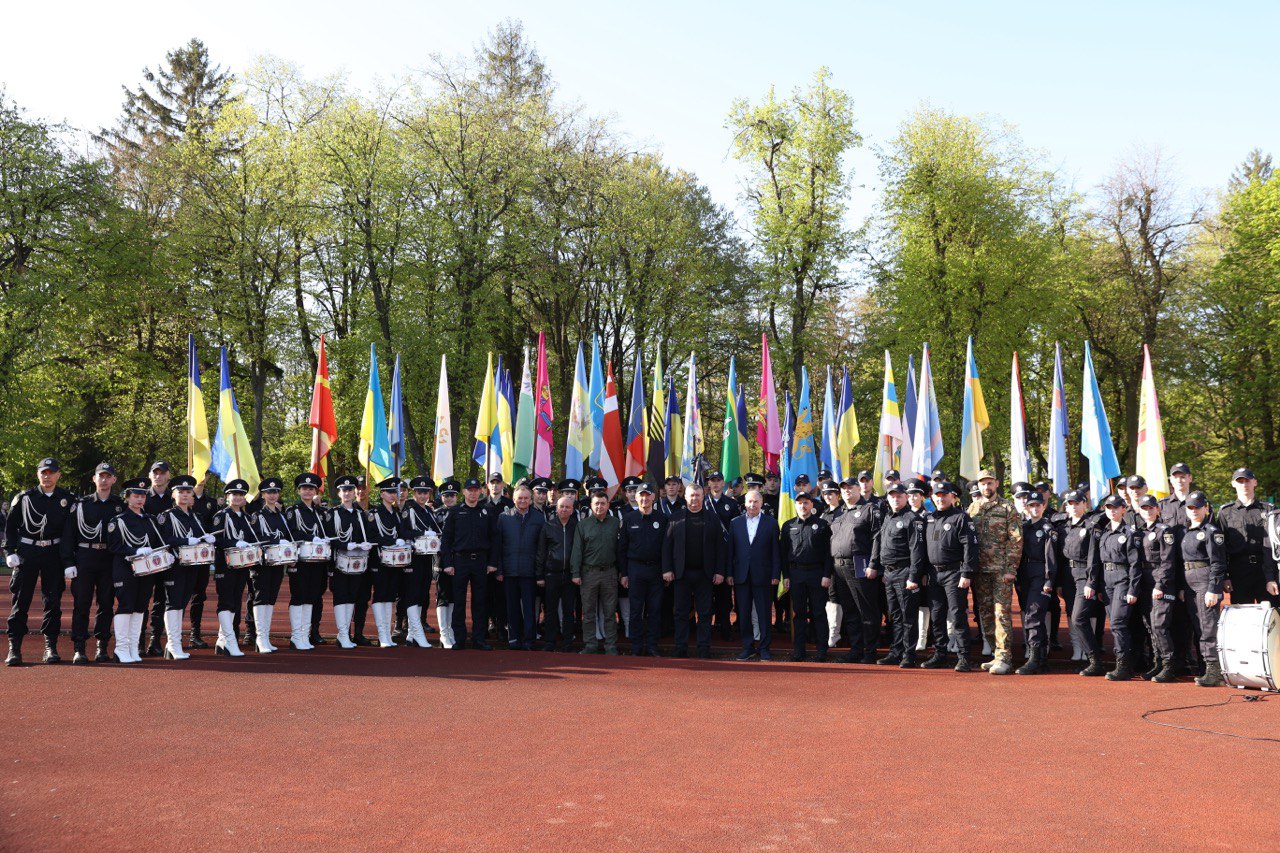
(132,533)
(181,527)
(444,582)
(415,579)
(347,528)
(387,528)
(234,529)
(272,523)
(307,578)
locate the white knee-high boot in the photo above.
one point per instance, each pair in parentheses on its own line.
(342,617)
(382,619)
(417,636)
(173,630)
(444,616)
(122,626)
(262,627)
(227,643)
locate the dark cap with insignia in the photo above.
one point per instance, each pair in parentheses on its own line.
(938,474)
(644,488)
(830,487)
(631,483)
(105,466)
(1243,474)
(271,484)
(449,487)
(849,482)
(824,474)
(802,480)
(543,484)
(803,495)
(346,481)
(1197,499)
(184,481)
(865,474)
(50,464)
(896,489)
(672,479)
(473,483)
(361,482)
(495,477)
(753,480)
(137,486)
(1042,486)
(308,479)
(1114,502)
(915,486)
(1074,497)
(946,487)
(974,489)
(1034,498)
(1180,468)
(715,475)
(892,474)
(422,483)
(1021,490)
(569,485)
(391,484)
(596,483)
(160,465)
(1147,501)
(1137,481)
(772,475)
(237,487)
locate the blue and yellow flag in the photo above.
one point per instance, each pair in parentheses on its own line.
(231,456)
(577,445)
(486,418)
(975,420)
(198,450)
(375,451)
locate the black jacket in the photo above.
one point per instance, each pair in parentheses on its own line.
(715,546)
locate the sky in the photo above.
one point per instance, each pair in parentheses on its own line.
(1086,87)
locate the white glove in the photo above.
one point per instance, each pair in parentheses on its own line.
(209,538)
(354,546)
(368,546)
(319,540)
(143,551)
(13,561)
(240,543)
(70,572)
(192,540)
(399,542)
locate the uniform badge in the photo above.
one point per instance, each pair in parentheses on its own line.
(372,515)
(1217,539)
(484,512)
(946,526)
(112,527)
(1122,539)
(815,527)
(1039,534)
(901,524)
(857,513)
(64,501)
(655,525)
(1168,539)
(1200,536)
(1150,537)
(1083,533)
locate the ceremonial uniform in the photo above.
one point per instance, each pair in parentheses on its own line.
(205,507)
(640,541)
(386,528)
(898,550)
(1114,573)
(444,581)
(179,528)
(131,534)
(466,548)
(1077,547)
(84,546)
(273,527)
(348,532)
(307,578)
(852,534)
(951,552)
(33,532)
(806,558)
(415,582)
(157,502)
(233,528)
(999,532)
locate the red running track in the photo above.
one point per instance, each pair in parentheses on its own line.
(430,749)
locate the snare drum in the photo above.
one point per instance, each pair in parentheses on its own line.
(428,543)
(243,558)
(149,564)
(352,562)
(395,555)
(280,554)
(314,552)
(1249,645)
(199,554)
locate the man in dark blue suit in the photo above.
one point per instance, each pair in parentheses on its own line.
(755,565)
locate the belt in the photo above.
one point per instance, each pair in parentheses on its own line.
(39,543)
(470,555)
(1041,563)
(1115,567)
(842,563)
(97,546)
(644,563)
(599,568)
(892,567)
(1078,564)
(947,567)
(1196,564)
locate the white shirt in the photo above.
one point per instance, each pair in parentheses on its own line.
(752,525)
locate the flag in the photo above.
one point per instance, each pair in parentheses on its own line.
(1095,435)
(974,420)
(523,460)
(637,449)
(829,454)
(744,442)
(231,456)
(804,450)
(675,431)
(656,461)
(395,424)
(198,451)
(1150,433)
(442,464)
(324,426)
(733,441)
(926,443)
(544,415)
(595,397)
(375,453)
(846,423)
(786,494)
(691,456)
(906,454)
(578,442)
(1019,461)
(486,418)
(767,435)
(890,440)
(1059,430)
(611,443)
(504,435)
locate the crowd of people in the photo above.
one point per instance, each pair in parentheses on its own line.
(566,567)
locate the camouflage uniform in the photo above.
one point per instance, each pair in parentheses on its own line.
(999,531)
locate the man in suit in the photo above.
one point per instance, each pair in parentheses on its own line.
(693,560)
(755,564)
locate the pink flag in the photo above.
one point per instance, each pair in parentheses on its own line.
(543,415)
(768,433)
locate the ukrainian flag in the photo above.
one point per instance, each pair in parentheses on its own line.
(375,449)
(231,457)
(199,453)
(975,420)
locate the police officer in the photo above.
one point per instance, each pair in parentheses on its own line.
(272,522)
(349,533)
(465,555)
(415,580)
(951,553)
(806,561)
(856,583)
(1173,508)
(234,528)
(180,525)
(205,506)
(386,528)
(307,578)
(132,533)
(444,583)
(1077,548)
(898,550)
(1037,570)
(672,497)
(832,506)
(1204,564)
(33,531)
(89,564)
(1115,581)
(640,541)
(1161,581)
(1241,522)
(159,499)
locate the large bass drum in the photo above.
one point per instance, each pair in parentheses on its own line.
(1249,645)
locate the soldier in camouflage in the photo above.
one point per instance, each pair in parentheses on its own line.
(999,530)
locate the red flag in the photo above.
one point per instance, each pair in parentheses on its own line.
(768,433)
(543,416)
(324,426)
(611,456)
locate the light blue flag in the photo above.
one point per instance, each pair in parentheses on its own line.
(595,398)
(926,441)
(830,456)
(1095,435)
(804,451)
(395,426)
(906,454)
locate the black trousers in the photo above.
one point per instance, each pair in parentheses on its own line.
(809,610)
(757,599)
(721,607)
(497,599)
(904,605)
(317,604)
(558,595)
(230,584)
(415,582)
(1248,584)
(177,581)
(694,588)
(948,611)
(444,589)
(363,591)
(42,565)
(132,592)
(1062,605)
(265,582)
(471,573)
(842,584)
(199,594)
(158,606)
(1120,612)
(1035,611)
(644,601)
(1157,616)
(304,582)
(1203,616)
(92,583)
(521,595)
(867,593)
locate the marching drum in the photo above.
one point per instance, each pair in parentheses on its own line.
(428,543)
(280,554)
(199,554)
(395,555)
(243,558)
(352,562)
(314,552)
(1249,645)
(149,564)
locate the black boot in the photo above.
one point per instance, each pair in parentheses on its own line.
(51,650)
(962,662)
(1152,671)
(1095,667)
(79,657)
(100,654)
(154,649)
(401,632)
(891,659)
(1034,664)
(908,661)
(937,661)
(15,653)
(1212,675)
(1123,670)
(1169,673)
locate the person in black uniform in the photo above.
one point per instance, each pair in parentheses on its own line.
(1115,581)
(159,499)
(1161,580)
(272,523)
(542,497)
(1037,571)
(89,564)
(386,528)
(693,561)
(444,583)
(673,496)
(499,502)
(726,509)
(33,531)
(640,540)
(1204,564)
(829,511)
(307,578)
(234,528)
(1241,521)
(555,548)
(951,553)
(1076,546)
(899,551)
(415,579)
(132,533)
(465,554)
(806,559)
(180,526)
(856,584)
(1173,508)
(205,507)
(349,533)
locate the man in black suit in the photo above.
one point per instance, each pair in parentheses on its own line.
(693,560)
(755,564)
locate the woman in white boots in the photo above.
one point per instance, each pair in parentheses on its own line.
(307,518)
(415,580)
(235,532)
(181,527)
(387,530)
(273,528)
(132,533)
(347,530)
